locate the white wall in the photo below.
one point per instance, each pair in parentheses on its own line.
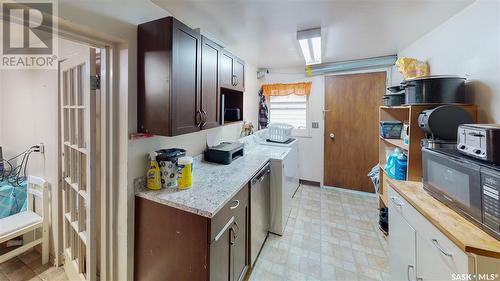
(310,147)
(467,44)
(29,113)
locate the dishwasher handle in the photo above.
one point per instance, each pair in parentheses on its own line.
(261,175)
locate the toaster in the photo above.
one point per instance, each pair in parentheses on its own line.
(481,141)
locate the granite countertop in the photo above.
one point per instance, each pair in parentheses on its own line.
(214,184)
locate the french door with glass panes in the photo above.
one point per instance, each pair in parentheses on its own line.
(78,131)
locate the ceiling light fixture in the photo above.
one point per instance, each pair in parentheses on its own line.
(310,43)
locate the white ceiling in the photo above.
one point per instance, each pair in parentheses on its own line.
(264,32)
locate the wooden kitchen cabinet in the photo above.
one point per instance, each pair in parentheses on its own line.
(232,72)
(240,242)
(169,70)
(180,75)
(210,91)
(172,244)
(229,239)
(239,74)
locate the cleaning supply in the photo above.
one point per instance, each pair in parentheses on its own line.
(185,179)
(390,167)
(401,167)
(169,170)
(153,176)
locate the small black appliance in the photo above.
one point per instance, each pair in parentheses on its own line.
(232,114)
(442,122)
(224,153)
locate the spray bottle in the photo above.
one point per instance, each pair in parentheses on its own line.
(153,176)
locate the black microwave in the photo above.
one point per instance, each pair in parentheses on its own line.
(466,185)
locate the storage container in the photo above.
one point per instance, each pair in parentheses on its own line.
(279,132)
(391,129)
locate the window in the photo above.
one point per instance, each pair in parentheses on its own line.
(289,109)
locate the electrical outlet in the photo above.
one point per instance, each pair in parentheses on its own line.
(41,148)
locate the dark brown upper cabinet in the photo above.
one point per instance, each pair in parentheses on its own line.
(169,78)
(210,91)
(232,72)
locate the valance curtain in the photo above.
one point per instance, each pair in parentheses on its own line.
(299,89)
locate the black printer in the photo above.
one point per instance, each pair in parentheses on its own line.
(224,153)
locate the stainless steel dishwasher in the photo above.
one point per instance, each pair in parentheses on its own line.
(260,211)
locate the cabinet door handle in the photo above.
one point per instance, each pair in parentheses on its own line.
(436,244)
(408,271)
(237,230)
(395,201)
(204,117)
(228,224)
(233,80)
(237,80)
(235,206)
(198,117)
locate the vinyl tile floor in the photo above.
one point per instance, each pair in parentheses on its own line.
(331,235)
(28,266)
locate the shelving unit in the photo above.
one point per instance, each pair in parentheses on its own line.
(406,113)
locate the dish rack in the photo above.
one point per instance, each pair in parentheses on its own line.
(279,132)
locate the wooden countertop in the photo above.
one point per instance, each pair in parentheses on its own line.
(462,232)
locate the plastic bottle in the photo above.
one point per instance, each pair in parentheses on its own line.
(185,179)
(153,176)
(390,167)
(401,166)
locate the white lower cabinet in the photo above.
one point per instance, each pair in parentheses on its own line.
(401,246)
(418,250)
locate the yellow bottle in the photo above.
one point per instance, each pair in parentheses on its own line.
(185,179)
(153,176)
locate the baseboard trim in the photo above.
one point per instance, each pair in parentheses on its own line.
(307,182)
(350,191)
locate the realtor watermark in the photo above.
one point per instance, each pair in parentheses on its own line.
(474,277)
(28,34)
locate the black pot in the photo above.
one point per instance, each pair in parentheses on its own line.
(396,89)
(394,99)
(435,89)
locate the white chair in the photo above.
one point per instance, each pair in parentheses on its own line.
(29,221)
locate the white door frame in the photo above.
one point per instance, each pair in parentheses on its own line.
(109,144)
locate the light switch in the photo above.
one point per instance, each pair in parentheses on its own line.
(315,125)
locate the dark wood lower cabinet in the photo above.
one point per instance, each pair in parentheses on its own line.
(240,243)
(171,244)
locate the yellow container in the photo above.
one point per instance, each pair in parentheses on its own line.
(153,176)
(185,179)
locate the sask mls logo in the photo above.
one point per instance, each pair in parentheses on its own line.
(28,40)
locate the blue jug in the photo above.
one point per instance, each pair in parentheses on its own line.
(401,167)
(390,167)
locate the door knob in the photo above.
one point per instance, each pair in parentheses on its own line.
(332,136)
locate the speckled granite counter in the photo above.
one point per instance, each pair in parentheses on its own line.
(214,184)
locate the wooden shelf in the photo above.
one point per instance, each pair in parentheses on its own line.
(401,107)
(397,142)
(409,114)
